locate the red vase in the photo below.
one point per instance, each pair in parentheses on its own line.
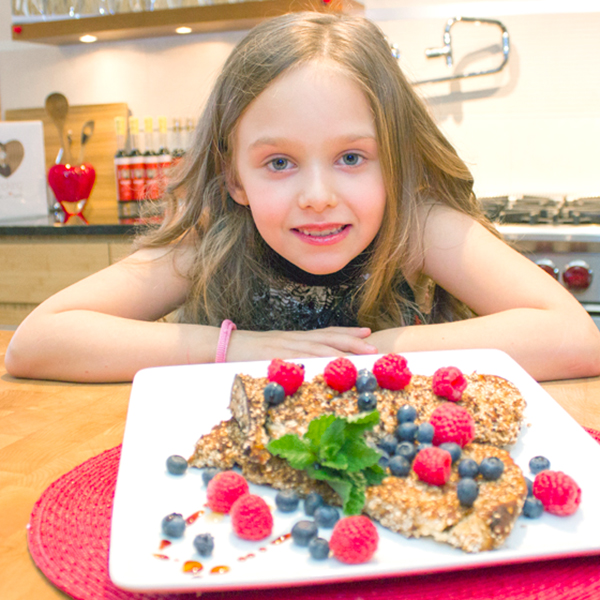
(72,186)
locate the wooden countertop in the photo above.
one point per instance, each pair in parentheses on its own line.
(47,428)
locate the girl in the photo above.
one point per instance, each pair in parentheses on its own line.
(321,211)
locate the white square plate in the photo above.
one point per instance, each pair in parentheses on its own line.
(171,407)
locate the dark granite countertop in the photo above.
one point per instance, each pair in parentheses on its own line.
(50,226)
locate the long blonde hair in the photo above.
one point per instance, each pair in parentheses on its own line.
(418,163)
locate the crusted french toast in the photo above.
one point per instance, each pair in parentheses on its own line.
(413,508)
(405,505)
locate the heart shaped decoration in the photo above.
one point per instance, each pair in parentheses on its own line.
(11,155)
(72,186)
(72,183)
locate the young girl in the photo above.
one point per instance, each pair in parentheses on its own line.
(322,211)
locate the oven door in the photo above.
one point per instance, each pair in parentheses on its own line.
(594,311)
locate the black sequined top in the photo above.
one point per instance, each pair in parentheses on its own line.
(301,301)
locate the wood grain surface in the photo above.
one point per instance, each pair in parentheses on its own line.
(99,151)
(47,428)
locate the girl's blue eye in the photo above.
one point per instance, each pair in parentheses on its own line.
(279,164)
(351,159)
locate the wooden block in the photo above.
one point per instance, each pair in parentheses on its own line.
(99,151)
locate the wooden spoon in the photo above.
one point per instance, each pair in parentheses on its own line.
(57,108)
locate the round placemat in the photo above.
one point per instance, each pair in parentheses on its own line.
(69,533)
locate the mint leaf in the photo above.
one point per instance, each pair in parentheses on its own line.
(358,424)
(334,450)
(343,489)
(356,501)
(316,429)
(296,451)
(374,475)
(339,461)
(360,456)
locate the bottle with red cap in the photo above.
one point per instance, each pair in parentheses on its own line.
(164,154)
(137,164)
(151,160)
(123,170)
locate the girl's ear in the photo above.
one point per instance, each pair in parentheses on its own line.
(236,191)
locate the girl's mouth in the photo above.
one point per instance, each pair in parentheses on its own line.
(322,234)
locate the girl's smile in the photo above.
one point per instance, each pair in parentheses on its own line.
(311,173)
(322,234)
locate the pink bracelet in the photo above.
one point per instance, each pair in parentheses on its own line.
(227,327)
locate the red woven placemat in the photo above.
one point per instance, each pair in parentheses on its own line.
(69,533)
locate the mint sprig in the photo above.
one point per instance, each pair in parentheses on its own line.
(334,450)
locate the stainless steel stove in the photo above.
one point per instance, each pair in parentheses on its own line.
(560,234)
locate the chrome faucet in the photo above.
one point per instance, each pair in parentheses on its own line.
(446,49)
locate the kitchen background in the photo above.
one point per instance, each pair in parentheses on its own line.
(534,127)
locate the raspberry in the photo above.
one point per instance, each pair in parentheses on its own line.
(392,372)
(433,465)
(354,539)
(558,492)
(449,383)
(251,518)
(224,489)
(452,423)
(288,375)
(340,374)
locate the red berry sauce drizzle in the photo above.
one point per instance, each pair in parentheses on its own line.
(194,568)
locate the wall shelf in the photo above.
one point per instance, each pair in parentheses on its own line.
(200,19)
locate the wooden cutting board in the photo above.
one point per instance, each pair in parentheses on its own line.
(99,150)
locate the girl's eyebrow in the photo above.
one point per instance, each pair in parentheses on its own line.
(345,139)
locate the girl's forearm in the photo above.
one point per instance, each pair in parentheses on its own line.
(546,344)
(86,346)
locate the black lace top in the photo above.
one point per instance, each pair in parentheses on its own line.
(301,301)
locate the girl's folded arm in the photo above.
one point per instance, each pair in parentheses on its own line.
(521,309)
(105,328)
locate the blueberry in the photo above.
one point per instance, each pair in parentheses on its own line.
(173,525)
(491,468)
(318,548)
(399,466)
(287,500)
(424,445)
(467,491)
(405,432)
(176,465)
(274,394)
(326,516)
(406,449)
(312,502)
(388,444)
(406,413)
(454,449)
(385,458)
(365,381)
(208,474)
(468,467)
(533,508)
(529,486)
(303,532)
(425,432)
(204,544)
(538,463)
(367,401)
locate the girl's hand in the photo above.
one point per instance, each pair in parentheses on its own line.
(266,345)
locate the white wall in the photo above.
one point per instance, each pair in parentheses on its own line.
(534,127)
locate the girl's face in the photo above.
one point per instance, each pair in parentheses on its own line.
(307,166)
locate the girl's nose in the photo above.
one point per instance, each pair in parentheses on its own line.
(318,191)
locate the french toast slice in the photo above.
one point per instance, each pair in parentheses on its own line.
(413,508)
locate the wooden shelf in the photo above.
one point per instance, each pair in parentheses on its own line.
(200,19)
